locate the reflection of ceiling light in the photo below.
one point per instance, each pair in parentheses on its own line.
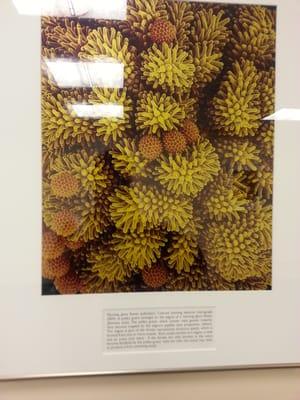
(98,110)
(285,114)
(114,9)
(58,8)
(106,74)
(34,7)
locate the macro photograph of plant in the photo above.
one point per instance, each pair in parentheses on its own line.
(163,180)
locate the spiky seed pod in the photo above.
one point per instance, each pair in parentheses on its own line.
(208,63)
(265,139)
(128,160)
(232,250)
(140,16)
(217,282)
(64,223)
(264,282)
(168,68)
(106,43)
(67,38)
(184,247)
(236,108)
(199,277)
(162,31)
(174,142)
(253,283)
(88,168)
(53,246)
(112,128)
(182,252)
(68,284)
(259,218)
(55,268)
(93,214)
(238,155)
(139,208)
(138,250)
(176,212)
(223,200)
(261,181)
(92,172)
(156,276)
(211,27)
(195,279)
(92,283)
(190,131)
(259,18)
(61,127)
(267,98)
(251,46)
(181,16)
(106,264)
(157,113)
(254,35)
(150,147)
(64,184)
(191,173)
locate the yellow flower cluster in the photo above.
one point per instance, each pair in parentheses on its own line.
(207,62)
(239,155)
(139,250)
(108,45)
(181,16)
(112,128)
(106,264)
(223,200)
(235,108)
(254,35)
(188,174)
(138,208)
(184,247)
(169,68)
(158,112)
(67,38)
(128,160)
(232,250)
(61,126)
(211,27)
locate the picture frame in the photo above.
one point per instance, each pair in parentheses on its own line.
(138,330)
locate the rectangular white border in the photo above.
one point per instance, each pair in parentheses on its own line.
(62,335)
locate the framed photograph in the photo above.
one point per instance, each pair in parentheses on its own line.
(150,217)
